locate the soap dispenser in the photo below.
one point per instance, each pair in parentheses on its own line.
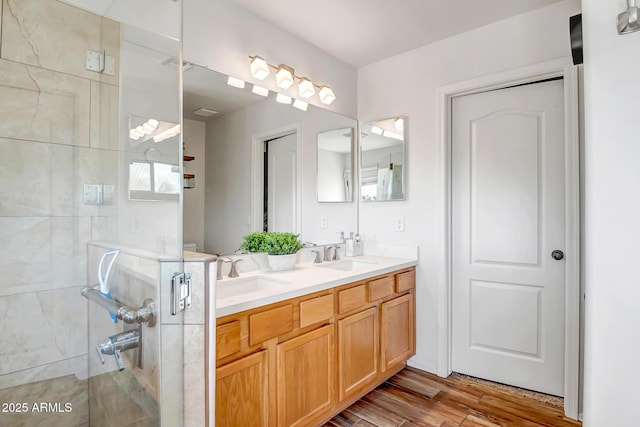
(349,248)
(358,245)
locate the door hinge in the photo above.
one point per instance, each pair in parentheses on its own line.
(180,292)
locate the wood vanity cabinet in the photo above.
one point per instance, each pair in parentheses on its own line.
(242,395)
(304,375)
(301,361)
(357,351)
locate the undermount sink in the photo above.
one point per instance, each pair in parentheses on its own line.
(227,288)
(348,265)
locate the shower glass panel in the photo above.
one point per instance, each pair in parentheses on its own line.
(72,83)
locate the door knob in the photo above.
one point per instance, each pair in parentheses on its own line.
(557,255)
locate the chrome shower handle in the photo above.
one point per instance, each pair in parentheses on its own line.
(118,343)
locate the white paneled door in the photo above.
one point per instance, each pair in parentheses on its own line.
(508,216)
(282,184)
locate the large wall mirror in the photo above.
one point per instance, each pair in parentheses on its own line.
(335,165)
(261,159)
(382,160)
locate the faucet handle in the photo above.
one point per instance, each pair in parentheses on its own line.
(318,258)
(221,260)
(234,268)
(119,361)
(336,257)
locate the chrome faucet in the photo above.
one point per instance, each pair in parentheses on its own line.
(318,258)
(336,257)
(327,252)
(234,268)
(117,343)
(221,260)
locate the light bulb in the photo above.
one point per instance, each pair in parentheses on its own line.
(326,95)
(283,99)
(300,105)
(232,81)
(284,76)
(259,90)
(305,88)
(259,68)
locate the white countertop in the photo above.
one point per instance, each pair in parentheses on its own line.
(305,279)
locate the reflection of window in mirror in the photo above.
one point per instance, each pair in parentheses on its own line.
(382,174)
(153,176)
(334,177)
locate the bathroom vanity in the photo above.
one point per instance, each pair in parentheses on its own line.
(300,360)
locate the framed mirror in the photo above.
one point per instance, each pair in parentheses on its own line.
(382,161)
(334,173)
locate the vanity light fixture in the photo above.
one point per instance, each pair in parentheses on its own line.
(232,81)
(144,129)
(305,88)
(326,95)
(377,130)
(169,133)
(259,90)
(259,67)
(283,99)
(393,135)
(300,104)
(284,76)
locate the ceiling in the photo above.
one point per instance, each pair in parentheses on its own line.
(360,32)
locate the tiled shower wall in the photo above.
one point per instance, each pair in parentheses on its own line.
(58,131)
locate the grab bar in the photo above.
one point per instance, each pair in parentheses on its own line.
(145,314)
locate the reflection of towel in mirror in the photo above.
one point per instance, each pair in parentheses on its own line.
(390,183)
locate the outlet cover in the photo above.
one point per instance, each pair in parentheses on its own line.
(400,223)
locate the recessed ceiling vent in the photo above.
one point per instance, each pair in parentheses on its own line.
(204,112)
(170,60)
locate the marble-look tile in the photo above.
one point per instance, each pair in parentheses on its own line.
(76,366)
(36,179)
(40,179)
(104,228)
(42,105)
(171,375)
(196,314)
(69,393)
(194,376)
(40,254)
(42,327)
(105,104)
(53,35)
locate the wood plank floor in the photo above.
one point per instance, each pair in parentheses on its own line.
(416,398)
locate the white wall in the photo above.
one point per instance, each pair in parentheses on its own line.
(228,176)
(612,177)
(406,85)
(193,214)
(221,35)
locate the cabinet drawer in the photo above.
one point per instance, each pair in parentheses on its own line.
(380,288)
(351,298)
(270,324)
(227,339)
(405,281)
(316,310)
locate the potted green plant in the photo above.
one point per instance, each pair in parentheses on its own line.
(280,247)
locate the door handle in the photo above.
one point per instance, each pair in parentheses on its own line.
(557,255)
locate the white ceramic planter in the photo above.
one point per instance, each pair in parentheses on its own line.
(282,262)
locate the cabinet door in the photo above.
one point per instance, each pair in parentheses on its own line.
(397,336)
(357,351)
(242,392)
(305,377)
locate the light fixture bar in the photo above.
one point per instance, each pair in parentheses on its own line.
(286,77)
